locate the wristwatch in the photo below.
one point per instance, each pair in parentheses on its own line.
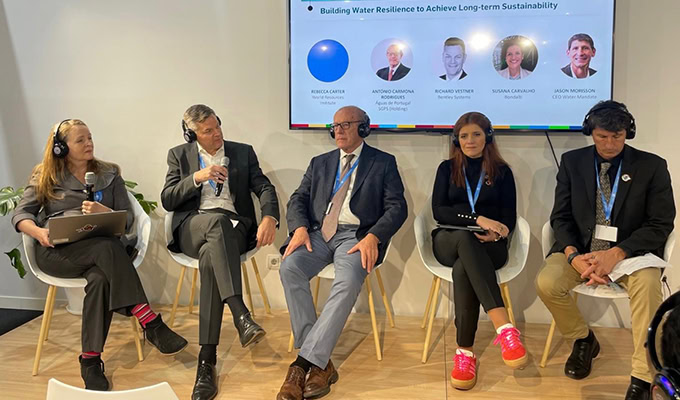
(572,256)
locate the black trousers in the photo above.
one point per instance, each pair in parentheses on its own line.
(474,267)
(218,245)
(112,282)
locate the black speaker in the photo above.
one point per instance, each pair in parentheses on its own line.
(609,105)
(666,383)
(364,128)
(59,147)
(488,134)
(189,134)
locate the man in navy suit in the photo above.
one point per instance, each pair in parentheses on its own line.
(349,205)
(395,70)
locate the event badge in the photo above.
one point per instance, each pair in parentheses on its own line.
(604,232)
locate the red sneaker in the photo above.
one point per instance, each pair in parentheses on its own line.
(514,354)
(464,373)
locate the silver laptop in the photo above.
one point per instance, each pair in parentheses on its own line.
(69,229)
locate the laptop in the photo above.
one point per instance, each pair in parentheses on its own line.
(69,229)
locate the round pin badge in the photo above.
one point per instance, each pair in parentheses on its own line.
(98,196)
(625,177)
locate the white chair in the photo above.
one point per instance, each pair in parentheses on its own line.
(611,291)
(517,257)
(57,390)
(142,228)
(329,273)
(188,262)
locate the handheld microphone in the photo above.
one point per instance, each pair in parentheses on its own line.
(218,188)
(90,179)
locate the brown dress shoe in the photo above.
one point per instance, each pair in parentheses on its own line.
(320,381)
(293,385)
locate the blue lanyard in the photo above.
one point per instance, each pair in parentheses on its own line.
(202,164)
(339,182)
(473,200)
(608,206)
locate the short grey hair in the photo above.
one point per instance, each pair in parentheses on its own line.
(196,114)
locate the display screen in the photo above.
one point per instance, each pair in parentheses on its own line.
(420,64)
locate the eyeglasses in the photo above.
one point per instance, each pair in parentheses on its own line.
(344,125)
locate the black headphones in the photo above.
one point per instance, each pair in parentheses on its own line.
(364,127)
(488,134)
(189,134)
(666,383)
(59,147)
(609,105)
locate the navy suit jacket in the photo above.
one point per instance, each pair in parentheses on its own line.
(377,198)
(401,72)
(245,176)
(643,212)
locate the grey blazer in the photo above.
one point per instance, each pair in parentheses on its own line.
(71,193)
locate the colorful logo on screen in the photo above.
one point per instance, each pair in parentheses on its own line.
(86,228)
(328,60)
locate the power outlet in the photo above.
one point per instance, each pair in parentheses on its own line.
(273,261)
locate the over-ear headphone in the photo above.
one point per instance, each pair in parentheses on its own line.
(189,134)
(609,105)
(59,147)
(488,133)
(666,383)
(364,127)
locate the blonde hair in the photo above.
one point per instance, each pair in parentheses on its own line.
(46,175)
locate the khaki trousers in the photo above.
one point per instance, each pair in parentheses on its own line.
(557,278)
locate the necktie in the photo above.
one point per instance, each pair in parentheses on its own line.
(605,186)
(330,221)
(389,76)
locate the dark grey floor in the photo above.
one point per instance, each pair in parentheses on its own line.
(10,319)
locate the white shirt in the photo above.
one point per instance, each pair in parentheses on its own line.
(346,216)
(208,198)
(455,77)
(573,73)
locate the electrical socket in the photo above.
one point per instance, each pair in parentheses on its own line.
(273,261)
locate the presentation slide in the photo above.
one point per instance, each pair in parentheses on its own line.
(420,64)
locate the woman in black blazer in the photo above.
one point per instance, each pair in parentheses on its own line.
(476,187)
(57,187)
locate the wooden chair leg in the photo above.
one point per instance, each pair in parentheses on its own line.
(177,292)
(50,312)
(371,308)
(548,342)
(291,342)
(192,296)
(505,291)
(138,343)
(429,302)
(433,311)
(246,284)
(390,318)
(43,328)
(263,292)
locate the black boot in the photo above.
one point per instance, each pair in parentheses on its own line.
(92,371)
(580,361)
(164,338)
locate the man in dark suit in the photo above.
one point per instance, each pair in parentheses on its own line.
(395,70)
(348,206)
(613,203)
(453,57)
(216,227)
(580,50)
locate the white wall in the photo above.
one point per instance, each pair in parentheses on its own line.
(130,69)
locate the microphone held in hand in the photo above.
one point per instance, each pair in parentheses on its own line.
(90,179)
(218,188)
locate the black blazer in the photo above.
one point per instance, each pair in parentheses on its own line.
(463,75)
(643,212)
(377,198)
(400,72)
(567,71)
(245,176)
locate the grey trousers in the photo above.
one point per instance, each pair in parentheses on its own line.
(212,238)
(316,338)
(112,282)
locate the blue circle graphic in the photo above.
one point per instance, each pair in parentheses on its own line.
(328,60)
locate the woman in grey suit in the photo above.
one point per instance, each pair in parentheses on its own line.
(57,187)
